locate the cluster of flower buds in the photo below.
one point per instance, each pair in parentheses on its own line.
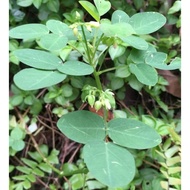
(98,98)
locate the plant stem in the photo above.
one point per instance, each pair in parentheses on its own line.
(44,158)
(106,70)
(96,75)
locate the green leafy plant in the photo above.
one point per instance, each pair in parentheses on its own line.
(68,51)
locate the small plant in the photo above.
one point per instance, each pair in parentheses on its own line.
(80,49)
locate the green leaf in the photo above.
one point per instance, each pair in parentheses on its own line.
(53,5)
(38,172)
(144,73)
(122,72)
(57,27)
(31,177)
(38,59)
(26,184)
(18,145)
(17,133)
(112,165)
(158,59)
(82,126)
(69,168)
(135,42)
(16,100)
(33,79)
(28,31)
(138,3)
(175,8)
(116,51)
(116,83)
(76,68)
(147,22)
(53,42)
(24,3)
(132,134)
(134,83)
(37,3)
(77,181)
(138,56)
(91,9)
(119,16)
(45,167)
(102,6)
(24,169)
(117,29)
(28,162)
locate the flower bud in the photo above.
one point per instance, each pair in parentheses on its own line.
(91,100)
(97,105)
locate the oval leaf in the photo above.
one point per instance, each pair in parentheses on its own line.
(91,9)
(102,6)
(82,126)
(117,29)
(28,31)
(116,51)
(135,42)
(33,79)
(57,27)
(158,59)
(119,16)
(38,59)
(53,42)
(147,22)
(133,134)
(76,68)
(144,73)
(112,165)
(138,56)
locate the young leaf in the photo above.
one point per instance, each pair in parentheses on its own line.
(135,42)
(33,79)
(112,165)
(76,68)
(53,42)
(38,59)
(147,22)
(102,6)
(116,51)
(119,16)
(91,9)
(146,74)
(57,27)
(122,72)
(28,31)
(132,134)
(82,126)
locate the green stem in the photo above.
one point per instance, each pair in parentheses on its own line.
(96,75)
(106,70)
(44,158)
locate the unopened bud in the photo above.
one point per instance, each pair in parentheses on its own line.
(97,105)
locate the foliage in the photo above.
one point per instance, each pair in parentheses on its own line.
(58,59)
